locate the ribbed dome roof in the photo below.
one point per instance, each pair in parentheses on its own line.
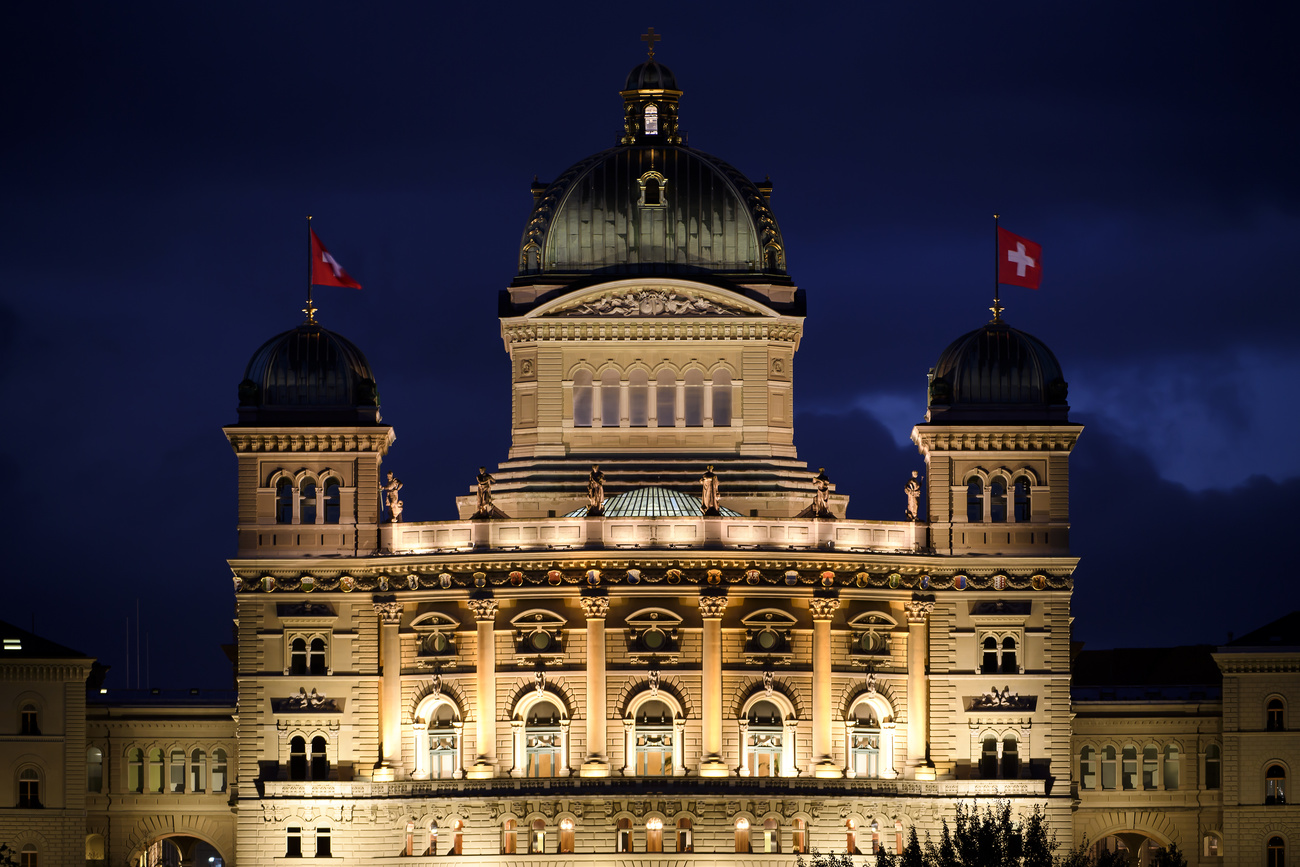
(997,373)
(651,75)
(308,375)
(653,502)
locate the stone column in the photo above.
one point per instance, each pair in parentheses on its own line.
(823,759)
(421,751)
(712,607)
(485,764)
(679,732)
(744,748)
(918,690)
(597,762)
(629,747)
(390,692)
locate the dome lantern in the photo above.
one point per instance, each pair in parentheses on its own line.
(650,98)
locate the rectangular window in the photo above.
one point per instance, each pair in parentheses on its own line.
(293,844)
(322,842)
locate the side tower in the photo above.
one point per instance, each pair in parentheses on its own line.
(997,441)
(309,443)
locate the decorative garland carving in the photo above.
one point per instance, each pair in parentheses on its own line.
(650,302)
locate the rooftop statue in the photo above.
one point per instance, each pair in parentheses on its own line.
(821,495)
(486,509)
(595,492)
(913,492)
(709,494)
(395,505)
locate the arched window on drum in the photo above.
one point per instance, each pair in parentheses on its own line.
(721,398)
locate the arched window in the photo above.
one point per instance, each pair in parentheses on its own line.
(1275,785)
(989,661)
(219,771)
(1022,505)
(654,740)
(298,758)
(653,195)
(155,782)
(582,398)
(799,837)
(1108,767)
(293,842)
(764,745)
(28,857)
(1274,719)
(721,398)
(610,395)
(457,838)
(1150,766)
(28,720)
(433,839)
(651,119)
(771,836)
(96,850)
(29,788)
(509,837)
(135,771)
(685,835)
(566,836)
(989,757)
(1210,846)
(623,841)
(1010,758)
(198,771)
(443,746)
(638,397)
(298,656)
(1275,854)
(284,501)
(975,501)
(864,746)
(1172,766)
(94,770)
(1129,768)
(1213,767)
(332,501)
(176,771)
(1087,768)
(322,842)
(537,839)
(666,399)
(316,657)
(1009,663)
(654,834)
(307,507)
(851,834)
(543,741)
(998,502)
(694,398)
(320,760)
(742,835)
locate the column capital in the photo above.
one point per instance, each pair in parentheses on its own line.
(389,611)
(712,606)
(595,607)
(484,609)
(917,610)
(823,607)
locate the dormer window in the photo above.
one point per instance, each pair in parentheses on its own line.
(538,634)
(871,637)
(654,190)
(768,636)
(652,119)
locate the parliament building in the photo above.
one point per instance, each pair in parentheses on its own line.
(652,634)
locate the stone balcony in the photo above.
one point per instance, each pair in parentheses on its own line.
(552,534)
(695,787)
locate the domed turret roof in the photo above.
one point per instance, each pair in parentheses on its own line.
(308,376)
(997,373)
(651,75)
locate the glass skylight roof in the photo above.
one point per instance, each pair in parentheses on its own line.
(653,503)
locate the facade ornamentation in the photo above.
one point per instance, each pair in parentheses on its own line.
(484,609)
(651,302)
(435,686)
(918,610)
(304,700)
(595,607)
(769,682)
(871,683)
(395,505)
(712,607)
(539,680)
(1003,699)
(390,612)
(653,680)
(821,495)
(709,492)
(595,492)
(912,490)
(823,607)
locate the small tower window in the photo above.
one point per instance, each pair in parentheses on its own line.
(974,501)
(1022,510)
(1213,767)
(331,501)
(654,190)
(998,502)
(298,759)
(307,508)
(1275,721)
(284,501)
(652,119)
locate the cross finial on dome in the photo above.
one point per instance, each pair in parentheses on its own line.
(997,309)
(650,38)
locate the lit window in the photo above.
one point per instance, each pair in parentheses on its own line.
(1108,768)
(654,740)
(654,834)
(638,393)
(29,788)
(566,836)
(1274,720)
(666,399)
(694,398)
(198,771)
(1088,768)
(864,743)
(509,834)
(443,745)
(851,835)
(1213,767)
(1172,767)
(1275,785)
(1150,766)
(537,840)
(610,395)
(155,782)
(652,119)
(582,398)
(742,835)
(623,842)
(685,836)
(96,848)
(1129,769)
(771,836)
(764,744)
(94,771)
(799,840)
(543,741)
(176,771)
(721,399)
(457,837)
(135,771)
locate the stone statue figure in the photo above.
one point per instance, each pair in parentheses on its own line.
(821,495)
(485,481)
(595,492)
(709,494)
(395,505)
(913,492)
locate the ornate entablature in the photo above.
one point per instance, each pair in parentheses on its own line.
(1027,438)
(304,701)
(1001,700)
(298,440)
(649,302)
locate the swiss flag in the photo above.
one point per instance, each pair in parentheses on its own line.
(325,270)
(1020,260)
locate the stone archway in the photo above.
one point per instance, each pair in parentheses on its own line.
(179,841)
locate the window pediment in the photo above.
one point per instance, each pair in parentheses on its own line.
(652,634)
(538,633)
(306,615)
(768,636)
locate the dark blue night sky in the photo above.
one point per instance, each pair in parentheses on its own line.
(159,160)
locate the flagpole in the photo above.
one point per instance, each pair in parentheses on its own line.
(310,311)
(997,304)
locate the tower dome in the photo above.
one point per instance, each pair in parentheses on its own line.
(308,376)
(997,374)
(651,75)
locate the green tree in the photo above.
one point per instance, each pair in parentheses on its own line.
(912,855)
(7,858)
(823,859)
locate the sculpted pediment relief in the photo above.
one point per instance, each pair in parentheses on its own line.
(650,302)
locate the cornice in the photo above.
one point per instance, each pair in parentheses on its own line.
(322,440)
(785,329)
(1030,438)
(17,670)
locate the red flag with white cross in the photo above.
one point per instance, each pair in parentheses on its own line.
(1020,260)
(325,270)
